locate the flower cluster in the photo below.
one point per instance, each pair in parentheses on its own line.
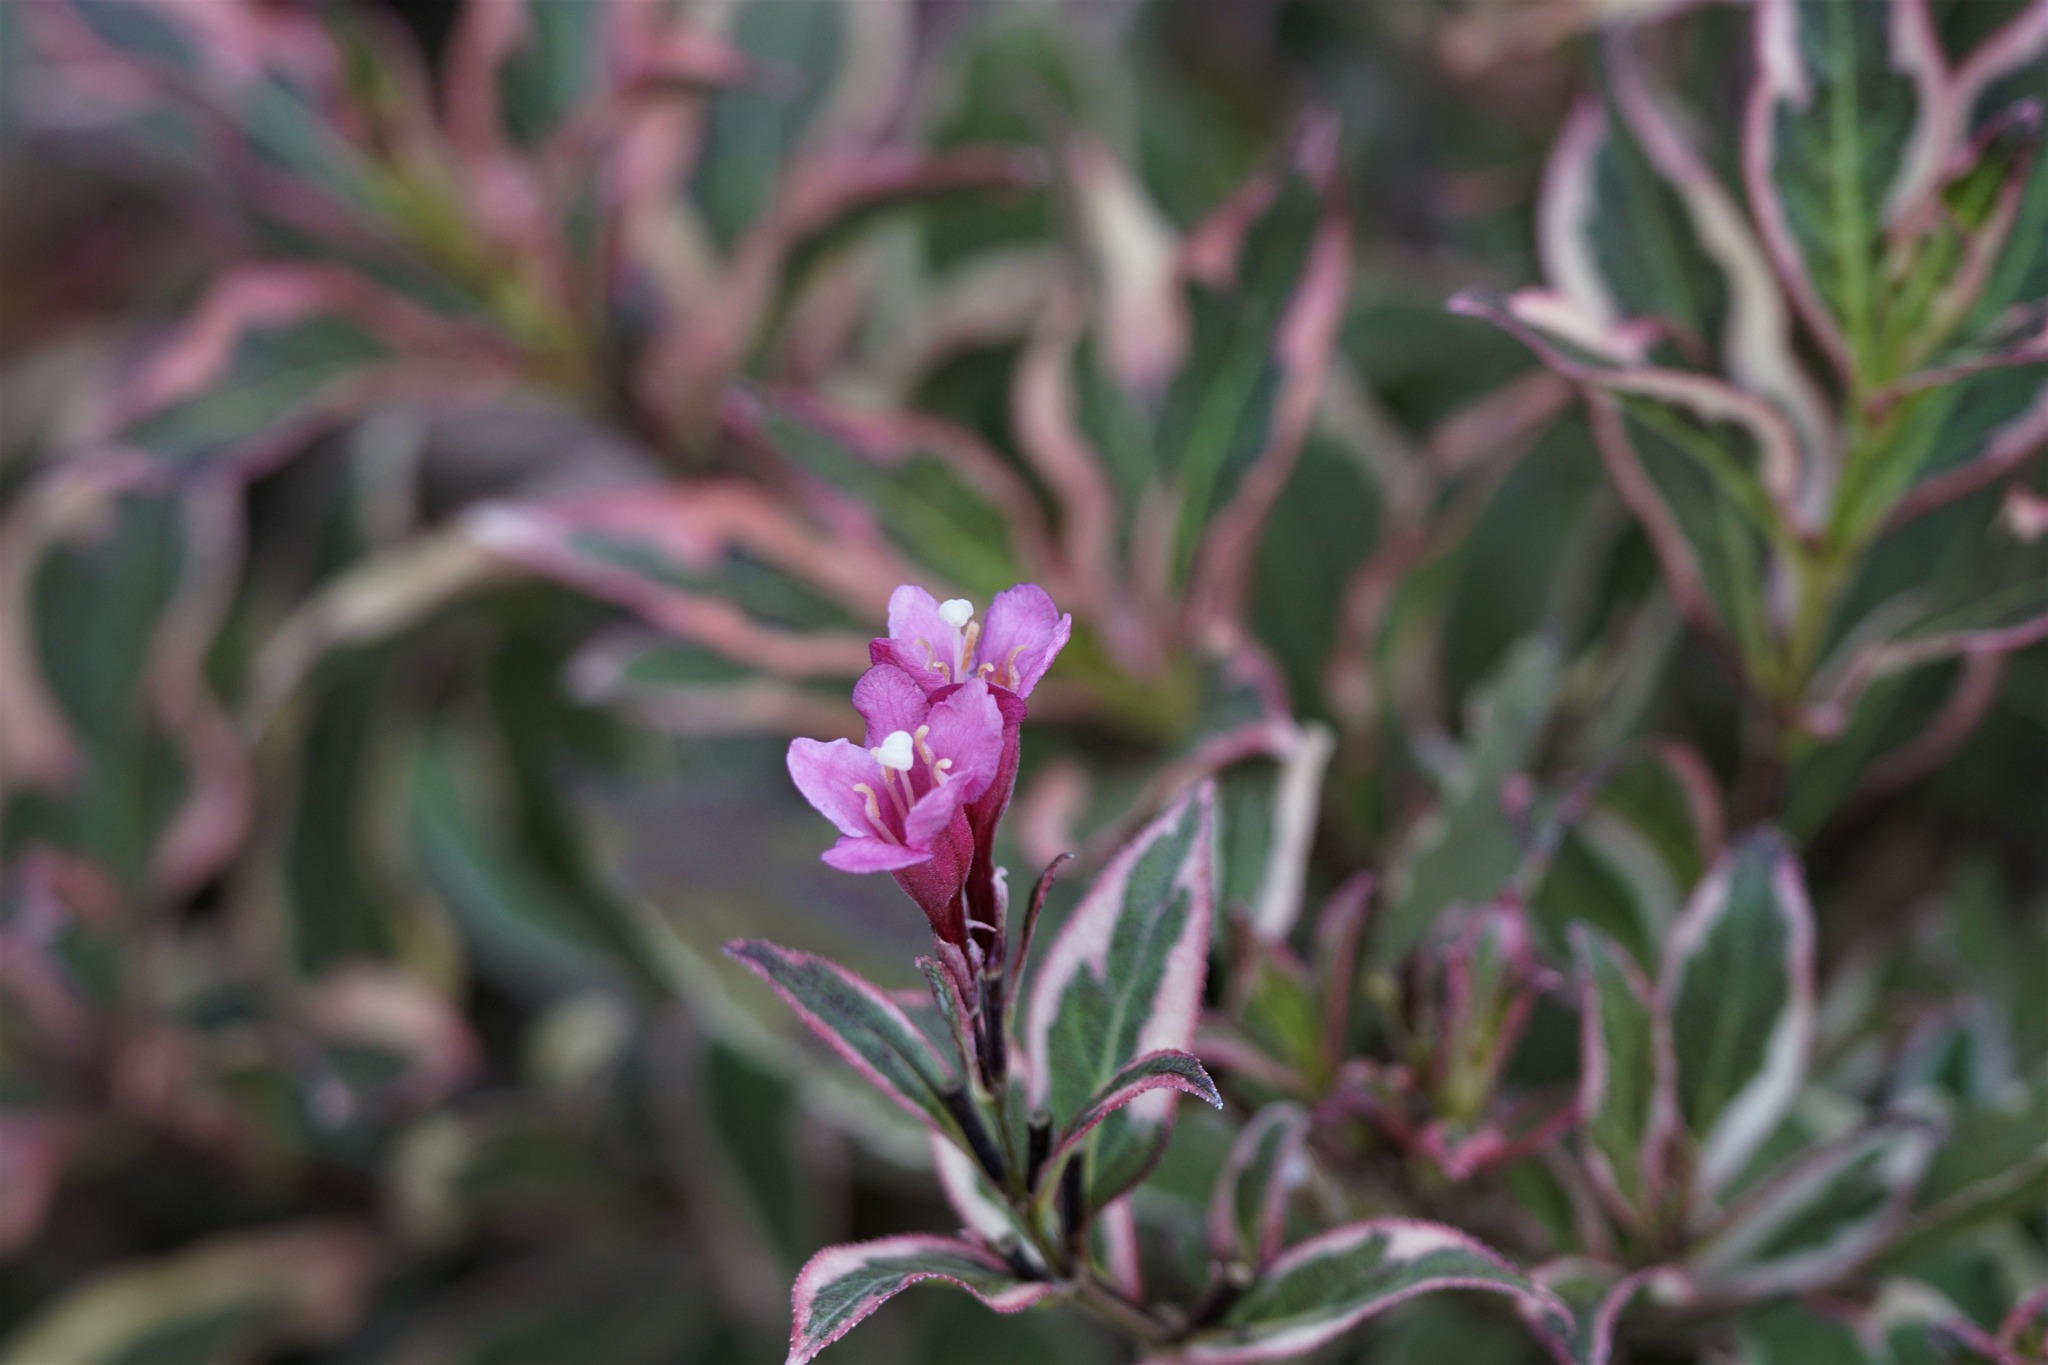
(922,796)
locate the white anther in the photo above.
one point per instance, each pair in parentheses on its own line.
(897,751)
(956,612)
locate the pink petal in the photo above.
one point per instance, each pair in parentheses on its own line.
(826,775)
(935,810)
(967,728)
(855,854)
(1021,635)
(889,699)
(919,637)
(910,659)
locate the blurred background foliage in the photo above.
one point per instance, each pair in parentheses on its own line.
(447,450)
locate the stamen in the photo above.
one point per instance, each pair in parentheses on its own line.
(933,663)
(968,643)
(1010,667)
(956,612)
(900,795)
(875,813)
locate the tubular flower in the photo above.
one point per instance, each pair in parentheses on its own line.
(898,800)
(941,644)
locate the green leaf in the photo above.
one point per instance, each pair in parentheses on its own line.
(339,907)
(1627,1097)
(271,373)
(1248,1211)
(544,80)
(1928,450)
(721,564)
(751,133)
(1624,866)
(118,779)
(521,922)
(1836,108)
(1793,1334)
(1995,1163)
(1689,482)
(1166,1069)
(1323,1287)
(1738,979)
(1322,528)
(946,510)
(1618,236)
(1712,471)
(1268,819)
(1258,349)
(1470,850)
(860,1023)
(235,1299)
(1827,1211)
(1124,979)
(1597,1299)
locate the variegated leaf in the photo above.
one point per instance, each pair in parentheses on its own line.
(1995,1163)
(114,741)
(981,1207)
(1597,1296)
(1489,983)
(1735,303)
(1248,1210)
(1123,979)
(1323,1287)
(1832,113)
(1746,445)
(945,498)
(1627,863)
(273,350)
(720,563)
(859,1021)
(843,1284)
(1829,1210)
(1470,851)
(1166,1069)
(1738,980)
(1268,822)
(1235,419)
(1628,1110)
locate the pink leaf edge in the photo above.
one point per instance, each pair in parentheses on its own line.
(836,1261)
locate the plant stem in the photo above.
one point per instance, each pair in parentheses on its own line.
(1118,1311)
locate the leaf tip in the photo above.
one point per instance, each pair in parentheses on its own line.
(747,950)
(1472,302)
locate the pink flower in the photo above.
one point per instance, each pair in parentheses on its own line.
(940,643)
(940,646)
(899,800)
